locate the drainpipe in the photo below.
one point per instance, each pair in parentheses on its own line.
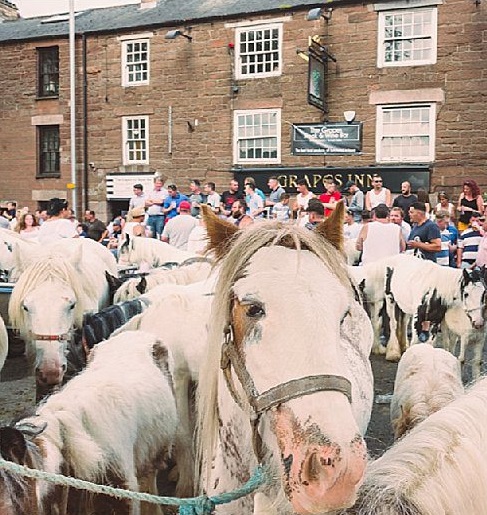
(84,182)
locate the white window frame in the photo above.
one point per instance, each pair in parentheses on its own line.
(408,131)
(239,31)
(237,139)
(128,157)
(432,36)
(126,65)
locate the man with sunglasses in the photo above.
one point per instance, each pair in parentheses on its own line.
(377,195)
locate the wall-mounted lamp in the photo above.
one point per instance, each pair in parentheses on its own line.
(319,12)
(173,34)
(349,116)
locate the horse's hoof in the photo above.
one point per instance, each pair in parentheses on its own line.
(393,356)
(378,350)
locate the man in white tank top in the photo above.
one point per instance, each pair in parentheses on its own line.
(378,194)
(380,238)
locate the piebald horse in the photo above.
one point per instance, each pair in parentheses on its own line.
(287,382)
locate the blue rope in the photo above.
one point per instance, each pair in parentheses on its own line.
(204,505)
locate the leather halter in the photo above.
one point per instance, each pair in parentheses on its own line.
(51,337)
(261,402)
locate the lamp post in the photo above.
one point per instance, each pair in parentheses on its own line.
(72,102)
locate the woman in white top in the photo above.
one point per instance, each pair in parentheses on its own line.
(57,227)
(28,227)
(377,195)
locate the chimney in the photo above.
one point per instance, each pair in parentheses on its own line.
(8,11)
(147,4)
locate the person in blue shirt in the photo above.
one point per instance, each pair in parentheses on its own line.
(172,201)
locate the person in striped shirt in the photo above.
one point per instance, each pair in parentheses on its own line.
(468,242)
(446,256)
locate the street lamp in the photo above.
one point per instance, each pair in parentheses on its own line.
(72,102)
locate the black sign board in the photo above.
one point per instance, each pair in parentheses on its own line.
(318,139)
(316,82)
(393,176)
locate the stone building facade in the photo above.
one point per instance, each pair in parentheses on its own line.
(228,96)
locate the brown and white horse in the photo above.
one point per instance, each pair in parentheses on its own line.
(287,381)
(114,423)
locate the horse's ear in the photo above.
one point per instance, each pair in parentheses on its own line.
(113,281)
(332,228)
(142,285)
(12,445)
(220,232)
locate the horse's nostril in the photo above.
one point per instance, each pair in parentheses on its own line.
(65,367)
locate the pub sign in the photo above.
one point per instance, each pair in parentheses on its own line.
(331,138)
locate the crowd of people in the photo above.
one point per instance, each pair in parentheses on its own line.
(453,235)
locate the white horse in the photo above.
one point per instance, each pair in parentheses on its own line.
(136,251)
(3,343)
(48,301)
(180,316)
(115,422)
(133,288)
(427,379)
(287,381)
(438,468)
(425,290)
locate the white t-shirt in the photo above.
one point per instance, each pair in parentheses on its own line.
(383,239)
(178,229)
(55,230)
(157,196)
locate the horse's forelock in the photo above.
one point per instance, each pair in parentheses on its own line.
(50,268)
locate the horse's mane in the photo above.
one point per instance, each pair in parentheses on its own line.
(57,268)
(244,245)
(435,467)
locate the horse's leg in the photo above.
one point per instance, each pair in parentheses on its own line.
(375,315)
(464,340)
(393,349)
(148,484)
(477,341)
(183,446)
(402,328)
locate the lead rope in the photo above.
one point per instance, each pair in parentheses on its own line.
(202,505)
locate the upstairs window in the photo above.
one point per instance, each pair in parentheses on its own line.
(257,136)
(48,72)
(407,37)
(136,140)
(406,134)
(258,51)
(135,62)
(48,153)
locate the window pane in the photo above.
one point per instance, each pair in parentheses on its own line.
(48,150)
(258,136)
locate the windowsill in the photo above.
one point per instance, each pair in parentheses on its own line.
(48,176)
(46,97)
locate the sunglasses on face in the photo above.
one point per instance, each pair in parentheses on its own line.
(377,181)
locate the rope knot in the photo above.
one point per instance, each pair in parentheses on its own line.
(198,506)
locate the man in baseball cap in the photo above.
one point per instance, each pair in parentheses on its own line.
(177,229)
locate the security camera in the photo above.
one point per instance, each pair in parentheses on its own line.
(92,165)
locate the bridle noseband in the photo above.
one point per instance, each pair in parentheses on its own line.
(51,337)
(262,402)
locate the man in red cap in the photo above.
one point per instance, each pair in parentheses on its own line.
(177,230)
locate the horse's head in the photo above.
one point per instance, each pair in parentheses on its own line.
(473,295)
(283,359)
(49,312)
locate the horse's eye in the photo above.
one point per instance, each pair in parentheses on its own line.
(256,311)
(72,306)
(25,308)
